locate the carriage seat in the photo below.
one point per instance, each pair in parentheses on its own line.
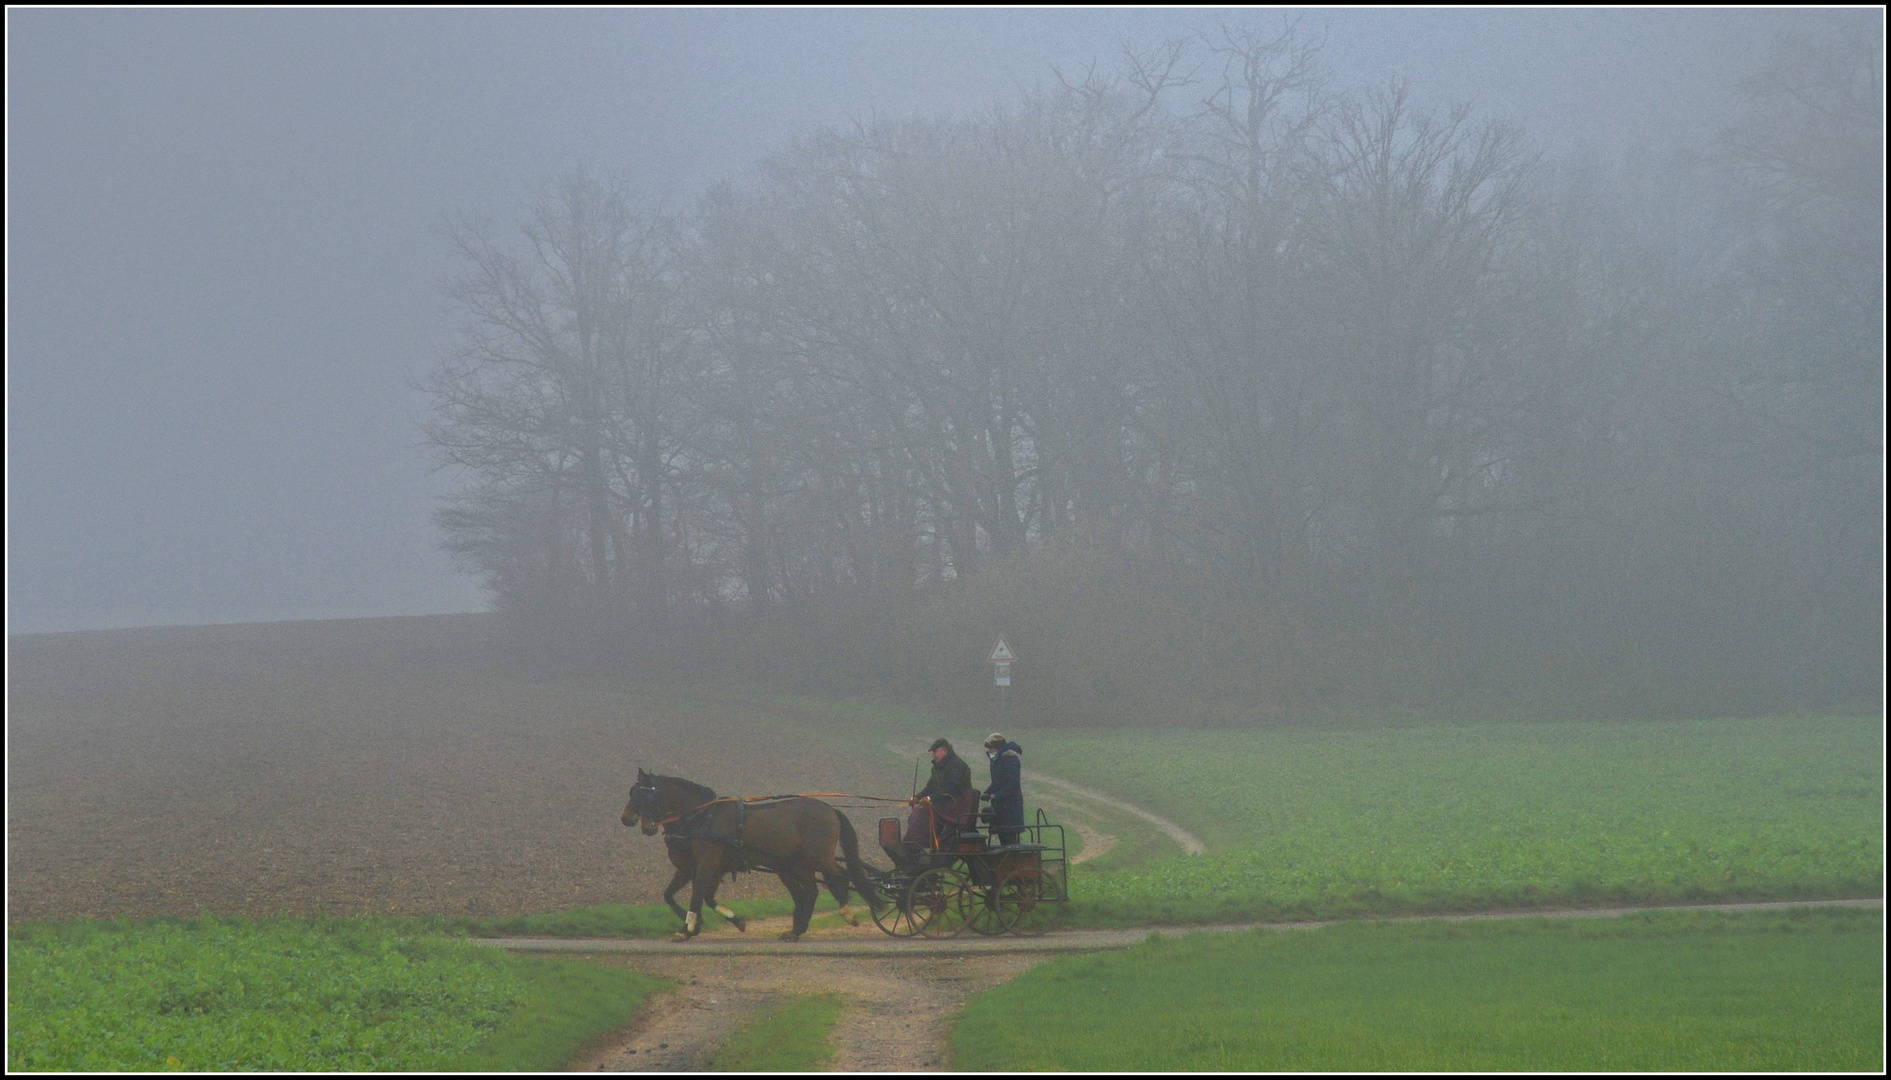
(960,837)
(891,843)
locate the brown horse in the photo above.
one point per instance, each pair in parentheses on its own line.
(793,837)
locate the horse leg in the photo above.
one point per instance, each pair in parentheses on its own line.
(676,882)
(740,923)
(708,872)
(801,886)
(836,880)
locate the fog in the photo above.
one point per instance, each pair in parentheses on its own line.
(248,255)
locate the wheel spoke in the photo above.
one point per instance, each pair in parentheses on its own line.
(1022,907)
(940,893)
(986,913)
(897,915)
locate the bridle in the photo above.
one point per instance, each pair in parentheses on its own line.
(651,794)
(644,795)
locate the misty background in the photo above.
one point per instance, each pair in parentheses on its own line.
(232,263)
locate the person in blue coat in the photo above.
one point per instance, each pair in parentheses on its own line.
(1006,793)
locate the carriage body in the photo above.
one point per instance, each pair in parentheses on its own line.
(975,882)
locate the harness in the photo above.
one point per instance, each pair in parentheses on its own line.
(683,826)
(695,826)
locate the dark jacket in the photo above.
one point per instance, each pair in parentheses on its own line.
(950,779)
(1007,781)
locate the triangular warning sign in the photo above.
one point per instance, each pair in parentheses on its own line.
(1001,653)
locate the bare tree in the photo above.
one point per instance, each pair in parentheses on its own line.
(558,402)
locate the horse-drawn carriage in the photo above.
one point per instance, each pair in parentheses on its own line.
(959,879)
(971,880)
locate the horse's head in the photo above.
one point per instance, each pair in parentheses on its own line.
(645,808)
(653,799)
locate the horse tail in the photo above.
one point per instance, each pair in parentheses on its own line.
(856,870)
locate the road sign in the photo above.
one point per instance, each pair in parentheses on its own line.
(1001,653)
(1001,674)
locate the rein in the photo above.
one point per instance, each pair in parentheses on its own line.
(681,814)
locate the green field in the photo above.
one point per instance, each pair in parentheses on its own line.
(1795,991)
(1462,817)
(1363,817)
(295,995)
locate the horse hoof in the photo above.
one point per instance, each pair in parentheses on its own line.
(681,935)
(790,935)
(741,925)
(851,919)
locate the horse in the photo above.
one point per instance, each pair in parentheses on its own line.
(793,837)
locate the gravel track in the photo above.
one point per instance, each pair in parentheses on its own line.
(1187,841)
(895,1019)
(856,943)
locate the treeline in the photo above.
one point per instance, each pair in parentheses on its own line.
(1218,391)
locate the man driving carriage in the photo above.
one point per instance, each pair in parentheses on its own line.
(952,797)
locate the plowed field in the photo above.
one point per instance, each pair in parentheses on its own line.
(352,767)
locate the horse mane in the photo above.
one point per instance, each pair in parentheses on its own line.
(689,786)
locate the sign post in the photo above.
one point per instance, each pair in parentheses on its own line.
(1001,659)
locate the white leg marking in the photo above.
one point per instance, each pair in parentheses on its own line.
(689,922)
(725,913)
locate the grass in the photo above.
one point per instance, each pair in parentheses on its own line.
(566,1003)
(791,1037)
(1323,823)
(294,995)
(1799,990)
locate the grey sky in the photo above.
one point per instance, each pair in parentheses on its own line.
(224,257)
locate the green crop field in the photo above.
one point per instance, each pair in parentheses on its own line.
(1381,817)
(295,995)
(1773,991)
(1303,822)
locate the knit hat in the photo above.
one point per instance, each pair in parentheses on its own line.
(994,739)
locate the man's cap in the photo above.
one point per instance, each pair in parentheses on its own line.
(994,739)
(937,743)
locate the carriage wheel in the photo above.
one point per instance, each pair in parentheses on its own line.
(940,893)
(982,911)
(896,916)
(1021,906)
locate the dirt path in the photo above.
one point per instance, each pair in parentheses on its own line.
(1188,841)
(896,1016)
(1095,840)
(865,941)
